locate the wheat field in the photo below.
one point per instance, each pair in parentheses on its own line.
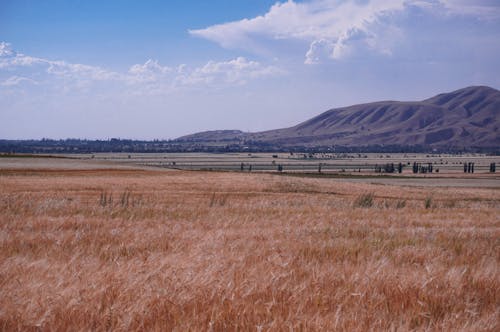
(145,250)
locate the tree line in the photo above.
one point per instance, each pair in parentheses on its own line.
(69,146)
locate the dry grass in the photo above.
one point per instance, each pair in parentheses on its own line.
(139,250)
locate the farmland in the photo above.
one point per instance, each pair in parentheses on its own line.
(291,162)
(159,242)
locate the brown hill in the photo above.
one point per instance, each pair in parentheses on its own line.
(467,117)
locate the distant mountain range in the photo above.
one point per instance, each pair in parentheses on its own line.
(464,118)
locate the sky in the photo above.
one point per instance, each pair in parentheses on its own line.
(162,69)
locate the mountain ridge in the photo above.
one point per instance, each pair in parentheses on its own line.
(463,118)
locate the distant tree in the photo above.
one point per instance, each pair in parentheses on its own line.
(389,168)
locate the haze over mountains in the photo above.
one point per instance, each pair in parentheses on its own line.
(464,118)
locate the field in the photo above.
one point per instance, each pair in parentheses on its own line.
(100,244)
(293,162)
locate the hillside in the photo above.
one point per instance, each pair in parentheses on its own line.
(467,117)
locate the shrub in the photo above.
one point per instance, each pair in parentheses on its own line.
(400,204)
(125,197)
(218,200)
(105,199)
(428,202)
(364,200)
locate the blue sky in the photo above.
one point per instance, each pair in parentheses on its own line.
(162,69)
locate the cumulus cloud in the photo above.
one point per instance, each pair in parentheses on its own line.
(333,29)
(153,78)
(150,71)
(150,77)
(80,71)
(5,49)
(12,61)
(330,28)
(9,58)
(237,71)
(318,50)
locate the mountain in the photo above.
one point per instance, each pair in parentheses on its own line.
(468,117)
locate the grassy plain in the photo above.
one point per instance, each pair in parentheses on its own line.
(140,249)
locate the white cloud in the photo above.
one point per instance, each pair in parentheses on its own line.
(482,9)
(329,27)
(319,50)
(9,58)
(236,71)
(148,78)
(5,49)
(150,71)
(80,71)
(153,78)
(333,29)
(17,80)
(12,60)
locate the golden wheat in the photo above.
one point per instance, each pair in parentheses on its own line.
(144,250)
